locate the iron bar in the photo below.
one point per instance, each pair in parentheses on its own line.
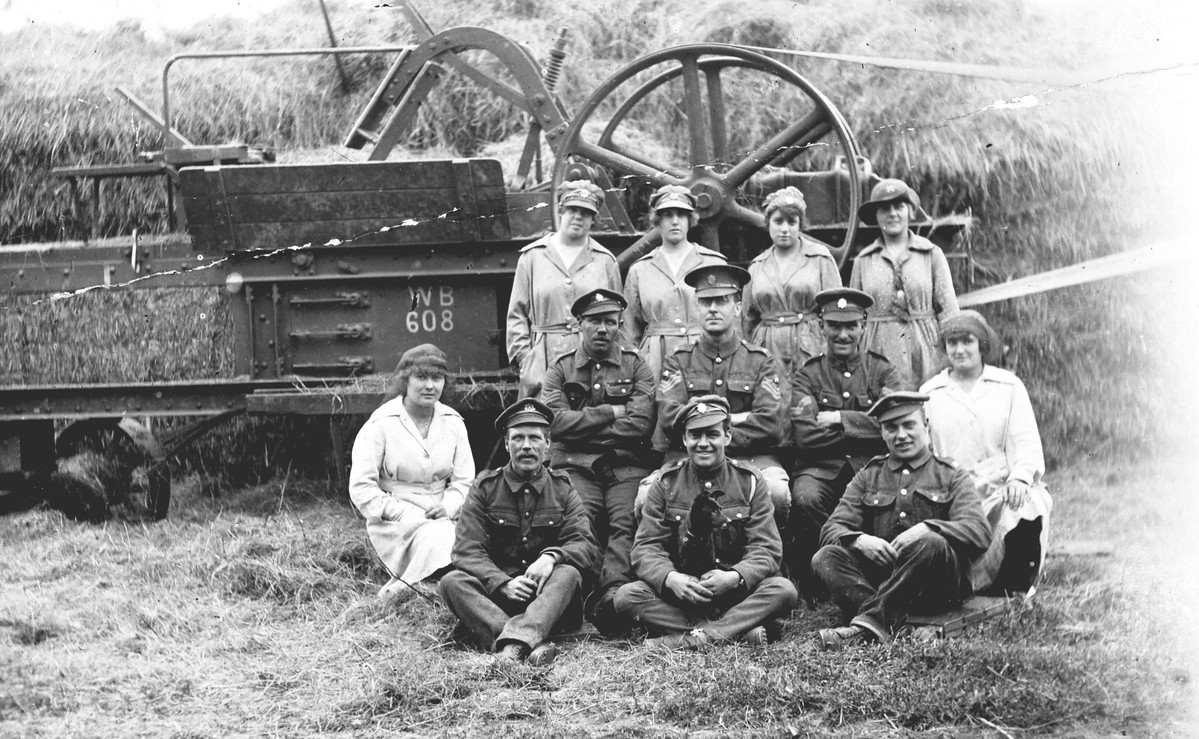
(247,53)
(341,72)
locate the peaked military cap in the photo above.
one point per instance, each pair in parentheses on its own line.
(884,192)
(894,405)
(701,412)
(714,280)
(529,411)
(581,194)
(598,301)
(673,196)
(842,304)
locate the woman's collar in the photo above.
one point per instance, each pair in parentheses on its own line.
(915,242)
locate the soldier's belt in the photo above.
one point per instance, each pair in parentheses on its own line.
(784,318)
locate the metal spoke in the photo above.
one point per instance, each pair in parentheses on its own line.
(768,151)
(697,119)
(748,216)
(709,235)
(623,164)
(800,145)
(675,172)
(719,122)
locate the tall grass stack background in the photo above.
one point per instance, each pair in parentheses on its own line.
(252,612)
(1084,173)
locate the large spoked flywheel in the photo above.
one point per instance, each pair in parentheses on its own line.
(728,123)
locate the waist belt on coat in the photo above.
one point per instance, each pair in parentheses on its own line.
(890,318)
(413,488)
(669,328)
(784,318)
(555,328)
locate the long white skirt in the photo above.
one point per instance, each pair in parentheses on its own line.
(413,547)
(1003,521)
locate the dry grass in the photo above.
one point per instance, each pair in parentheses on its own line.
(253,613)
(117,336)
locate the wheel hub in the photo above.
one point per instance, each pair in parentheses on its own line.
(709,198)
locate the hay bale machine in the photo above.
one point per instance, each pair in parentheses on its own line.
(331,271)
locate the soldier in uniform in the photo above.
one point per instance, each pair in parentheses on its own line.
(707,552)
(904,536)
(722,363)
(523,540)
(830,396)
(602,396)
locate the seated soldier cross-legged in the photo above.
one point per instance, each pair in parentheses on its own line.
(707,551)
(523,540)
(904,535)
(833,433)
(603,404)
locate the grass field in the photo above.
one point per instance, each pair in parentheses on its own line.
(252,613)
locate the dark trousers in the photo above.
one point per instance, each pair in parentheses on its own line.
(926,577)
(609,505)
(494,620)
(726,618)
(813,500)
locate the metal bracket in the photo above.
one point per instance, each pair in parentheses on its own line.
(345,365)
(344,332)
(344,300)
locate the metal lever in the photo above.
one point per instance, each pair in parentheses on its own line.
(345,365)
(344,331)
(346,300)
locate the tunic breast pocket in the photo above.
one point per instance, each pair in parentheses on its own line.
(546,530)
(931,502)
(676,517)
(503,528)
(878,513)
(740,394)
(699,384)
(826,401)
(617,392)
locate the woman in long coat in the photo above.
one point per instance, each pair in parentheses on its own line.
(663,314)
(780,299)
(551,274)
(411,469)
(908,277)
(980,416)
